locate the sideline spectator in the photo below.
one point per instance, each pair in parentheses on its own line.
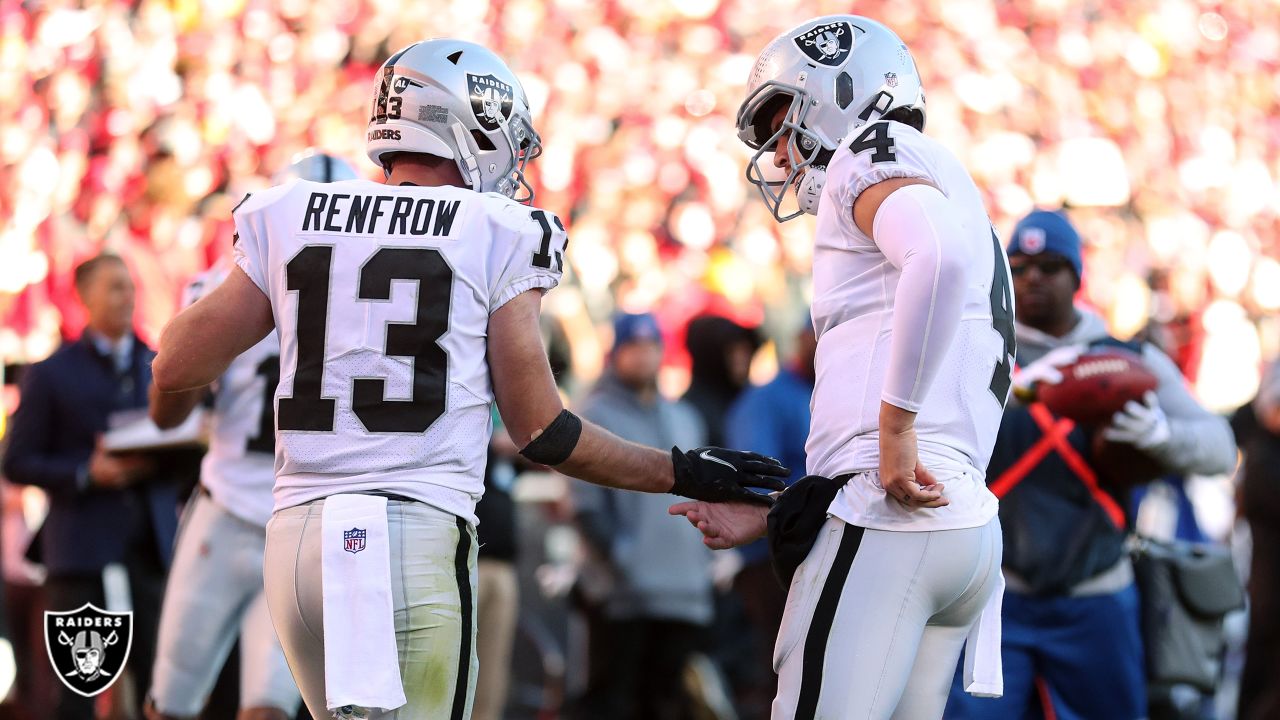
(1071,626)
(104,509)
(660,600)
(1257,428)
(721,351)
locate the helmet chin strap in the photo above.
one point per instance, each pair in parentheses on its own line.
(809,189)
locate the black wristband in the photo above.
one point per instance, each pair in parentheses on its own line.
(554,445)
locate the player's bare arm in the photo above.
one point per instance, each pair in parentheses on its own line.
(530,406)
(198,345)
(901,473)
(169,409)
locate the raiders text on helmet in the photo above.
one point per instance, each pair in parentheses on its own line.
(832,74)
(456,100)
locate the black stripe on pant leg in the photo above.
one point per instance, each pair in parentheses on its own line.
(463,570)
(824,614)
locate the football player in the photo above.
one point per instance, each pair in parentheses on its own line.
(914,319)
(214,592)
(403,311)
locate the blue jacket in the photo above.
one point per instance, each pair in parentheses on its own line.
(659,569)
(65,402)
(772,419)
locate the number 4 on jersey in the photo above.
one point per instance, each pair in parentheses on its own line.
(1002,321)
(875,137)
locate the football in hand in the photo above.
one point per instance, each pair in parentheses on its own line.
(1122,464)
(1097,385)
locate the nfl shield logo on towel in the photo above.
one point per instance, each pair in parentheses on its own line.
(353,540)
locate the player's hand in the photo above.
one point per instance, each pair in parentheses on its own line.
(1045,370)
(1140,424)
(902,475)
(112,472)
(725,525)
(719,475)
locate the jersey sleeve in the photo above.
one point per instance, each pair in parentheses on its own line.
(529,251)
(879,151)
(250,218)
(250,249)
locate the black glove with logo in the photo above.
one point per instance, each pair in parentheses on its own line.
(715,474)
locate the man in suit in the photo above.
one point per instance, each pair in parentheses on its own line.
(105,510)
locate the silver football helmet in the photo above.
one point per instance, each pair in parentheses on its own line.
(456,100)
(833,74)
(317,167)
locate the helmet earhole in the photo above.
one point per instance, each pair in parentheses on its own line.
(482,141)
(844,90)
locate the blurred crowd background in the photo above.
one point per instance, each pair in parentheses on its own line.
(136,126)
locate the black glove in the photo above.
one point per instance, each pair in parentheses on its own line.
(716,474)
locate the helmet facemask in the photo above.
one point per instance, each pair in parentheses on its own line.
(807,153)
(528,146)
(839,72)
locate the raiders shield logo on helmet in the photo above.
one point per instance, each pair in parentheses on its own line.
(88,647)
(491,100)
(828,44)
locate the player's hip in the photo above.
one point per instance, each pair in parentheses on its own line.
(431,562)
(857,610)
(939,572)
(451,492)
(214,545)
(427,548)
(836,449)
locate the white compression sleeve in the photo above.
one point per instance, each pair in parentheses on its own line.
(915,227)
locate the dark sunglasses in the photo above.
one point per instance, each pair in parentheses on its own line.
(1046,266)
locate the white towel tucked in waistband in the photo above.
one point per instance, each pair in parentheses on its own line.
(983,669)
(361,665)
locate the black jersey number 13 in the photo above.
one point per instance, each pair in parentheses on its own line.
(308,274)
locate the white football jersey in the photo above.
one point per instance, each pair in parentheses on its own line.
(382,296)
(854,287)
(239,468)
